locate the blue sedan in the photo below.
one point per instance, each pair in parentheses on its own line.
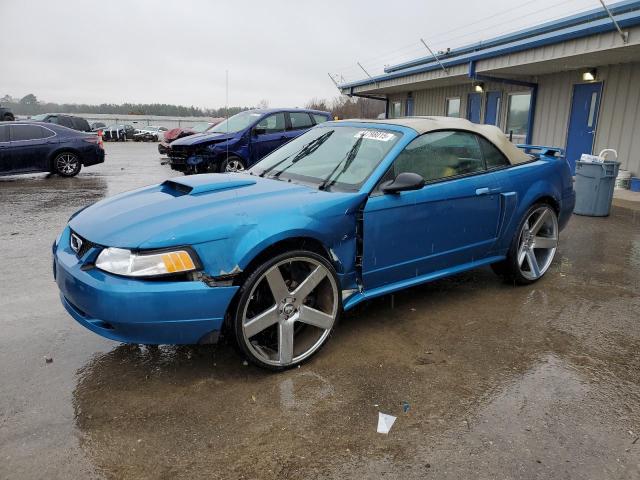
(27,147)
(346,212)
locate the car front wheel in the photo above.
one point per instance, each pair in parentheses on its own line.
(287,309)
(67,164)
(533,247)
(232,164)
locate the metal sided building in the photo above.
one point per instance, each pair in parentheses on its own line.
(572,83)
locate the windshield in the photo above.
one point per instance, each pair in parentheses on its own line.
(39,118)
(331,157)
(238,122)
(200,127)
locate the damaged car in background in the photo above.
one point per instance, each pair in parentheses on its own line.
(242,140)
(346,212)
(181,132)
(149,133)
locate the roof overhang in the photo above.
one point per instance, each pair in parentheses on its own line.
(546,51)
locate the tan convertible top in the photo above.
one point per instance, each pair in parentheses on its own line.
(492,133)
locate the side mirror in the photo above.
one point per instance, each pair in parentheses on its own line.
(403,182)
(259,131)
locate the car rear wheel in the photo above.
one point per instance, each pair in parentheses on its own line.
(232,164)
(67,164)
(533,247)
(8,117)
(287,309)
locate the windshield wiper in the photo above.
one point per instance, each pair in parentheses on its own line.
(348,160)
(307,150)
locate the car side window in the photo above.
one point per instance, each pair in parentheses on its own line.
(80,124)
(52,119)
(493,157)
(442,154)
(4,133)
(319,118)
(21,133)
(300,120)
(65,122)
(273,123)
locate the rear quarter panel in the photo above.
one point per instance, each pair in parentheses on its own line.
(525,184)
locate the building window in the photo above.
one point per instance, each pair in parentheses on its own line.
(518,116)
(396,109)
(453,107)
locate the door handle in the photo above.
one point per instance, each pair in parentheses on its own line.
(482,191)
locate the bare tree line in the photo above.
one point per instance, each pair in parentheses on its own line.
(340,106)
(343,106)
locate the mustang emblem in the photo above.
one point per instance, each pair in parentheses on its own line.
(75,242)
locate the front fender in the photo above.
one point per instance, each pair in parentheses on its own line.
(235,252)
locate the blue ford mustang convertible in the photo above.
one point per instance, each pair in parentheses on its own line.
(345,212)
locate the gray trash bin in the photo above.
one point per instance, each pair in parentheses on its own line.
(594,187)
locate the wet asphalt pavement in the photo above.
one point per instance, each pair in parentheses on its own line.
(501,381)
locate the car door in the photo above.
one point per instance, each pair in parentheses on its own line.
(267,135)
(5,150)
(451,221)
(30,147)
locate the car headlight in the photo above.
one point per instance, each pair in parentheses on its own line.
(125,262)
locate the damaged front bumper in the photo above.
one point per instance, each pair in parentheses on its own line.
(138,311)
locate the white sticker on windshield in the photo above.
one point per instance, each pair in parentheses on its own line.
(375,135)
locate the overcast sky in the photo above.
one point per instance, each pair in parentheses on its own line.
(177,51)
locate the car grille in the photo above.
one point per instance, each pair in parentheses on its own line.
(178,155)
(85,245)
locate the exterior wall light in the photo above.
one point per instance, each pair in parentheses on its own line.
(589,75)
(479,87)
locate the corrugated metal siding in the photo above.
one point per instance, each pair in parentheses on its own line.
(619,117)
(433,100)
(553,108)
(580,46)
(458,71)
(619,120)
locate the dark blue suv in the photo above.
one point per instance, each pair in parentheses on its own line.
(242,140)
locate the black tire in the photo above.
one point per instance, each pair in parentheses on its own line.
(8,117)
(509,268)
(236,164)
(249,292)
(67,164)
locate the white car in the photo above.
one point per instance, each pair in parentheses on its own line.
(149,133)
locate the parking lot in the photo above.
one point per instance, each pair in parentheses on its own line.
(496,381)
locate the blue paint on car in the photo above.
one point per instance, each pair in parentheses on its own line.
(377,242)
(242,140)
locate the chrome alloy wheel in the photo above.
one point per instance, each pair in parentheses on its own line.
(291,310)
(67,163)
(234,165)
(538,243)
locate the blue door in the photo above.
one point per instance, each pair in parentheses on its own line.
(267,135)
(409,107)
(583,121)
(449,222)
(492,110)
(474,104)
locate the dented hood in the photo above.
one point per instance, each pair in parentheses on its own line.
(202,208)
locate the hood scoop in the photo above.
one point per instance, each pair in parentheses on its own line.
(197,184)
